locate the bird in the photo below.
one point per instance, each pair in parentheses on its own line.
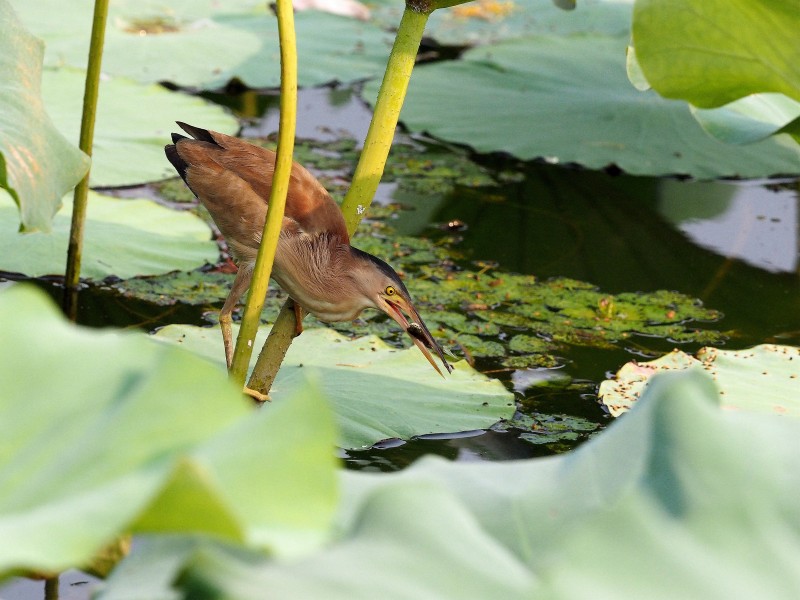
(314,261)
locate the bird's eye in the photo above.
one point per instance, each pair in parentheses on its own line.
(390,291)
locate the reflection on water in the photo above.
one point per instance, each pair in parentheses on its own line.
(753,223)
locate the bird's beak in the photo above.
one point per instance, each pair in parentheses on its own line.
(398,308)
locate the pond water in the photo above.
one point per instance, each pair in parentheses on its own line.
(733,245)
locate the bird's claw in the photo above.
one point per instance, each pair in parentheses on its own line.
(255,395)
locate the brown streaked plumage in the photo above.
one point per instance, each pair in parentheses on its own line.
(314,263)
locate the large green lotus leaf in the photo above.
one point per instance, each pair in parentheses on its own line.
(679,499)
(488,21)
(206,44)
(37,164)
(378,392)
(104,432)
(569,100)
(751,118)
(763,378)
(712,52)
(134,123)
(122,237)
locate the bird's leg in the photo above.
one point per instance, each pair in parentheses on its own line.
(240,284)
(298,318)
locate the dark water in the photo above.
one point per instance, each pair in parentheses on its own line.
(737,253)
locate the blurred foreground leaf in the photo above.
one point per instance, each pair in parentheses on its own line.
(683,499)
(712,52)
(105,432)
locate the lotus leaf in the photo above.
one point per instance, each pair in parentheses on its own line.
(124,238)
(207,44)
(712,52)
(488,21)
(378,392)
(576,111)
(176,442)
(134,122)
(677,483)
(751,118)
(37,164)
(763,378)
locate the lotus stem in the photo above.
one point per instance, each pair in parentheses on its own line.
(277,197)
(367,175)
(90,93)
(51,588)
(380,135)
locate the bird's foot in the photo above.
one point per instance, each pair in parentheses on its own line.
(255,395)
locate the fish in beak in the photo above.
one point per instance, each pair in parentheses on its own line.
(398,307)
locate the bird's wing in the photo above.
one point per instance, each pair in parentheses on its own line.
(307,203)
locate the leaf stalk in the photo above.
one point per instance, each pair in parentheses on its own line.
(88,118)
(277,197)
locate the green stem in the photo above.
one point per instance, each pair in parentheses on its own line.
(51,588)
(90,93)
(277,196)
(384,120)
(365,180)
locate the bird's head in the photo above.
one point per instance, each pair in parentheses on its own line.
(386,291)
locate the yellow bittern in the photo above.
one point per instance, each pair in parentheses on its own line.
(314,263)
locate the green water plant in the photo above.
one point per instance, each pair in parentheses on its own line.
(124,238)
